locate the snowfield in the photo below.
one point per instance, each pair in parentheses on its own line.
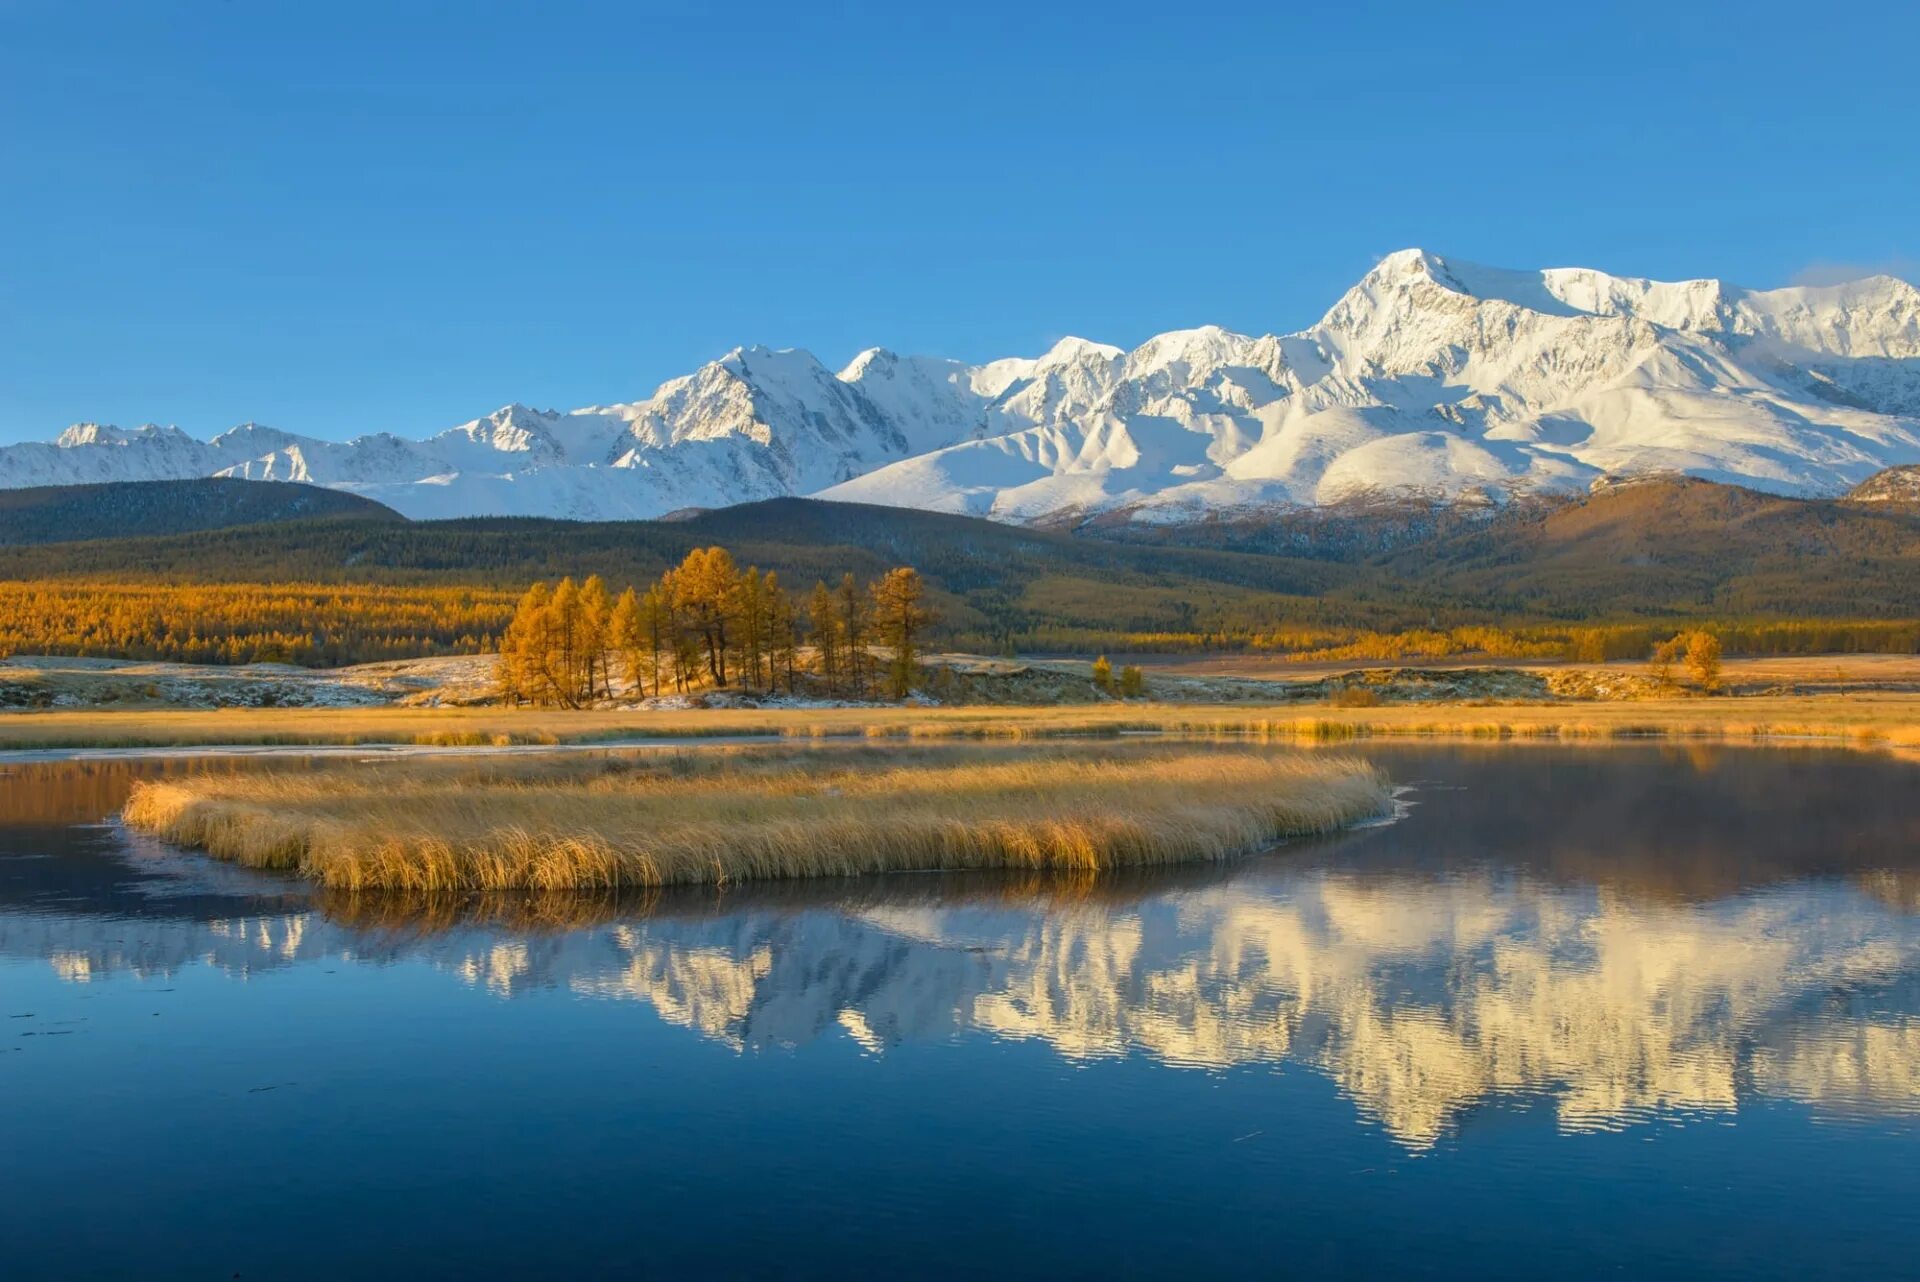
(1429,377)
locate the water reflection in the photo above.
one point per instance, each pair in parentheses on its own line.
(1499,944)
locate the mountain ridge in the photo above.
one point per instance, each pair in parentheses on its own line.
(1431,378)
(140,509)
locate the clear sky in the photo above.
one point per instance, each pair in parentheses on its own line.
(342,217)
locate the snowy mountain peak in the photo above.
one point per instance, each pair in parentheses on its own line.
(1431,376)
(1074,351)
(873,359)
(1403,265)
(81,434)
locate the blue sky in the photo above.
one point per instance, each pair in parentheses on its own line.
(338,217)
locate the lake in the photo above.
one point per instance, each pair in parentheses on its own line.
(1579,1012)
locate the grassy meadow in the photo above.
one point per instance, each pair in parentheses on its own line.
(544,824)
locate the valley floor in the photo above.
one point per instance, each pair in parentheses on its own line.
(42,683)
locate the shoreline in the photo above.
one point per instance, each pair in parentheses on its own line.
(1888,722)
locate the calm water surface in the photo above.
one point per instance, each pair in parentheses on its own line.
(1600,1012)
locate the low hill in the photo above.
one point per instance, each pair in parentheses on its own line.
(989,579)
(1674,547)
(65,513)
(1662,547)
(1892,485)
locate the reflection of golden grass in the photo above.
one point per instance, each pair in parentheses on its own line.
(428,826)
(1868,720)
(523,912)
(425,914)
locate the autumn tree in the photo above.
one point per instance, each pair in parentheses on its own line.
(851,605)
(750,608)
(566,639)
(1703,660)
(595,676)
(783,634)
(1103,675)
(824,624)
(706,589)
(656,621)
(1665,655)
(900,613)
(1133,682)
(521,665)
(627,628)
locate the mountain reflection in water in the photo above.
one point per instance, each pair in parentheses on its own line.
(1626,934)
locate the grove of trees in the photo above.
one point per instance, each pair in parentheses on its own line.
(706,623)
(1698,651)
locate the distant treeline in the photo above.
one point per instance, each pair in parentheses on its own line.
(1599,643)
(313,625)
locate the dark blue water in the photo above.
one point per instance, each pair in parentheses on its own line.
(1581,1013)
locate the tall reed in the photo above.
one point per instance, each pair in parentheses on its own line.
(718,817)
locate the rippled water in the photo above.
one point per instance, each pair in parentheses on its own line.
(1581,1012)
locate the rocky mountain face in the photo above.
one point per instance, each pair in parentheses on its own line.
(1431,379)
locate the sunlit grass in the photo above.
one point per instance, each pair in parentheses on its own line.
(719,817)
(1888,719)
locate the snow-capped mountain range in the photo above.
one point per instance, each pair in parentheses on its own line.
(1430,377)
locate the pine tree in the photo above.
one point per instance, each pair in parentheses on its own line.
(706,588)
(851,604)
(627,634)
(751,609)
(900,613)
(522,649)
(824,624)
(783,641)
(564,644)
(656,619)
(596,622)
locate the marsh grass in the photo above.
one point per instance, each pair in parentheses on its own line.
(717,817)
(1881,719)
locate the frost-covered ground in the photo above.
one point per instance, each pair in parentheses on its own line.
(52,682)
(30,682)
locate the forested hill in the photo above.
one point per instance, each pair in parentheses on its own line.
(65,513)
(1654,549)
(985,577)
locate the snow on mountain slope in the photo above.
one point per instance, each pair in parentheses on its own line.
(1430,376)
(1457,381)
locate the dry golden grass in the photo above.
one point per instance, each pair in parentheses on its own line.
(1881,719)
(430,826)
(1751,671)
